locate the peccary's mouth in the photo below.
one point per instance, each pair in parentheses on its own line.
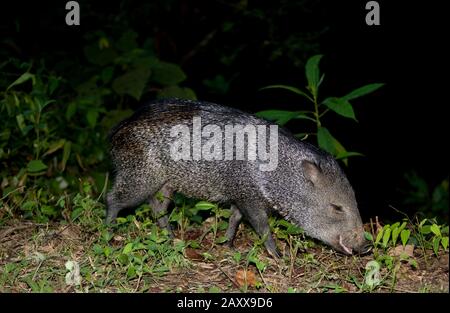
(344,247)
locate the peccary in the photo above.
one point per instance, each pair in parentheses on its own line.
(307,186)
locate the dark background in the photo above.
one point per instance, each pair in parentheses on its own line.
(402,126)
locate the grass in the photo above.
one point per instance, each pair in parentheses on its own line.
(75,252)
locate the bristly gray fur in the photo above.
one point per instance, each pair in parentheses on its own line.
(308,187)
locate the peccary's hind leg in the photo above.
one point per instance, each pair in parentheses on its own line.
(125,193)
(159,204)
(233,223)
(259,220)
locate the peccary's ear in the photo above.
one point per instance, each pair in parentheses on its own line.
(312,171)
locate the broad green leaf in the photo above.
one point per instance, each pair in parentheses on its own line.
(395,232)
(55,146)
(436,242)
(36,166)
(53,83)
(127,249)
(290,88)
(167,74)
(362,91)
(218,84)
(66,154)
(422,222)
(402,226)
(347,154)
(281,117)
(107,74)
(340,106)
(132,82)
(425,229)
(444,242)
(127,41)
(386,236)
(404,235)
(379,236)
(327,142)
(91,117)
(313,73)
(368,236)
(435,229)
(99,55)
(122,258)
(23,78)
(48,210)
(131,272)
(21,123)
(71,109)
(204,205)
(177,92)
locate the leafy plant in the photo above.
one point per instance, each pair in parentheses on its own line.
(431,235)
(428,200)
(340,105)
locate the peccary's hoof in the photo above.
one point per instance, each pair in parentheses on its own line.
(275,253)
(229,244)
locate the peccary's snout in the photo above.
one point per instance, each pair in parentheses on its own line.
(353,243)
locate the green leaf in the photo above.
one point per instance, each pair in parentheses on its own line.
(368,236)
(386,236)
(395,232)
(91,117)
(99,56)
(313,73)
(71,109)
(123,258)
(167,74)
(36,166)
(340,106)
(425,230)
(128,248)
(127,41)
(327,142)
(404,235)
(56,145)
(23,78)
(131,272)
(132,82)
(435,229)
(290,88)
(204,205)
(379,236)
(362,91)
(48,210)
(281,117)
(444,242)
(218,84)
(436,242)
(107,74)
(347,154)
(21,123)
(53,83)
(66,153)
(177,92)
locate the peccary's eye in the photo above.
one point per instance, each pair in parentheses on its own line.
(337,208)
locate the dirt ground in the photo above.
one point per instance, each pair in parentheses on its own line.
(33,257)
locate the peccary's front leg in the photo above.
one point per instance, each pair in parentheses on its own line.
(233,223)
(159,204)
(259,220)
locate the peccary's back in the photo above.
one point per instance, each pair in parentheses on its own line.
(140,145)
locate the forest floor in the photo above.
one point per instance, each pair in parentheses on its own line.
(138,257)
